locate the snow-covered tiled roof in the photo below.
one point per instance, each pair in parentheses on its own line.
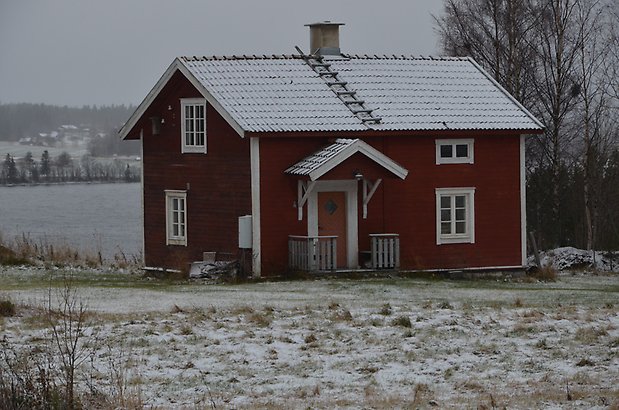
(273,94)
(429,94)
(282,93)
(327,158)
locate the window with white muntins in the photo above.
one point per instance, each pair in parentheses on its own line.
(176,217)
(454,151)
(193,125)
(455,215)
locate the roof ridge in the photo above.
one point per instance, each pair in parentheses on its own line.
(296,56)
(403,57)
(241,57)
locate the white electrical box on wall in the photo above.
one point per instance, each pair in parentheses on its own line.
(245,232)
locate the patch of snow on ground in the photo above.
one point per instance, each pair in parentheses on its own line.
(334,344)
(569,258)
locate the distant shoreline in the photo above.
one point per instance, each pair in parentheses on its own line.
(23,184)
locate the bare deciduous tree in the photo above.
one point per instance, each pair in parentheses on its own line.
(68,322)
(560,58)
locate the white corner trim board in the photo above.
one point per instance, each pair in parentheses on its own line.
(254,150)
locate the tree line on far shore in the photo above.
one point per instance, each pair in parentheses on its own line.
(63,168)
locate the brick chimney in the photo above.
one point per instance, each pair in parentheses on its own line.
(325,38)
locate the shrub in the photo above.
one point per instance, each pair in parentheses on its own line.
(7,308)
(27,382)
(9,257)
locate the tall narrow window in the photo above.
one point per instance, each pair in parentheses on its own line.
(176,217)
(454,151)
(455,211)
(193,125)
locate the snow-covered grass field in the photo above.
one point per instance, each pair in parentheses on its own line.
(372,343)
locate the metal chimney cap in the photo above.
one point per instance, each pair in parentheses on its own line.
(324,23)
(325,38)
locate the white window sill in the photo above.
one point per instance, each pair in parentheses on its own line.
(199,149)
(454,239)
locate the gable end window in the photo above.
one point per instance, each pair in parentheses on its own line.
(176,217)
(455,215)
(193,125)
(454,151)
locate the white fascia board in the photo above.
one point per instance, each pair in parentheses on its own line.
(334,161)
(177,64)
(383,160)
(150,97)
(365,149)
(504,91)
(211,100)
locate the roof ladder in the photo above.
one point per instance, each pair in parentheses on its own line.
(340,88)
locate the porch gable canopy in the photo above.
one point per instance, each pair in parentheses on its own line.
(324,160)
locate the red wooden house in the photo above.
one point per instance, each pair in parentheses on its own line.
(342,161)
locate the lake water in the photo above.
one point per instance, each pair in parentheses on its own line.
(93,217)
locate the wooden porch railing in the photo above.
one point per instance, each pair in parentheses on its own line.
(312,253)
(385,250)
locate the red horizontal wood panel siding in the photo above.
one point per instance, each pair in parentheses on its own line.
(406,207)
(217,183)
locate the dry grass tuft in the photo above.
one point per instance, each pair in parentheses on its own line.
(334,306)
(177,309)
(342,315)
(585,362)
(24,250)
(589,334)
(545,274)
(242,310)
(259,319)
(403,321)
(311,338)
(386,310)
(445,305)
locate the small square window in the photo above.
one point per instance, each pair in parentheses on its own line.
(454,151)
(446,151)
(462,151)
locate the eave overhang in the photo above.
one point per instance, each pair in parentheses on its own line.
(177,65)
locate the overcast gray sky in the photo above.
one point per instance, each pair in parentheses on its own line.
(78,52)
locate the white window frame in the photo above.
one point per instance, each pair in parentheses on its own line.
(469,235)
(469,159)
(171,238)
(192,148)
